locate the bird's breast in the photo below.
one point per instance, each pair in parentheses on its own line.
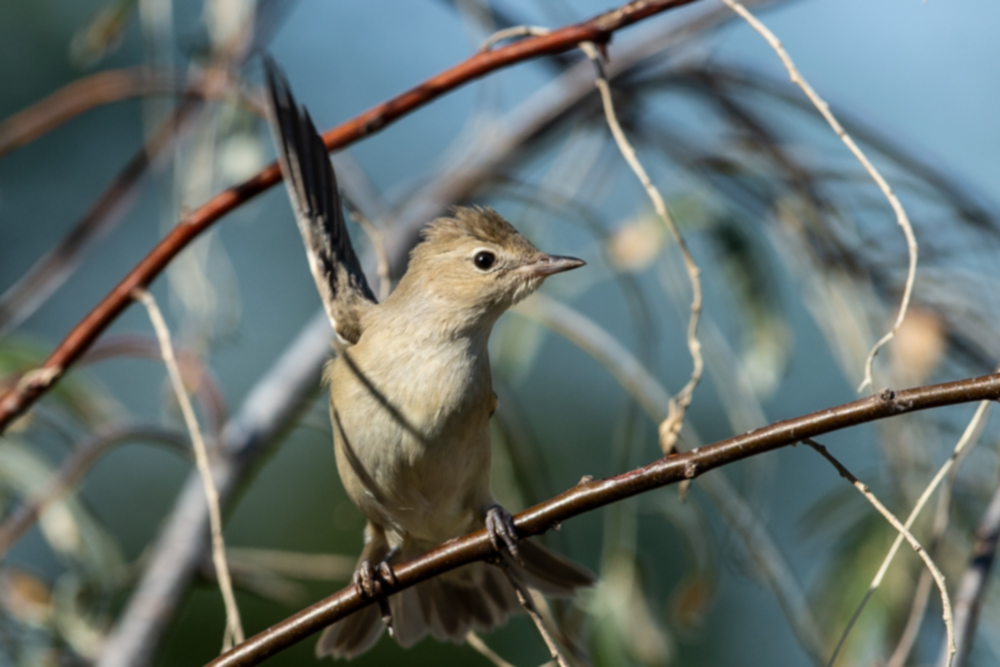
(412,431)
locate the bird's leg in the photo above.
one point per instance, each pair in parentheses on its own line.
(370,580)
(500,527)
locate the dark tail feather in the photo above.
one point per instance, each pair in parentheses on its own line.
(479,596)
(547,571)
(358,632)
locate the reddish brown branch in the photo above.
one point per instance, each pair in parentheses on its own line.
(598,29)
(592,494)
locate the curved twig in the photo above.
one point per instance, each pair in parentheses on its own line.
(897,207)
(972,587)
(970,435)
(905,533)
(72,470)
(196,373)
(53,268)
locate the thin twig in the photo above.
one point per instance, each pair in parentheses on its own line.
(476,642)
(670,428)
(902,530)
(510,33)
(201,457)
(268,410)
(73,469)
(53,268)
(970,434)
(901,218)
(598,30)
(524,597)
(972,586)
(911,631)
(197,375)
(922,594)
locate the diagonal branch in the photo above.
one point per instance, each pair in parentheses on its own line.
(593,494)
(267,411)
(905,532)
(598,30)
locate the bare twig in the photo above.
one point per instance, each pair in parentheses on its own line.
(598,30)
(971,430)
(524,597)
(73,469)
(591,494)
(476,642)
(270,406)
(33,288)
(512,32)
(970,434)
(911,631)
(197,375)
(972,587)
(901,218)
(670,428)
(922,593)
(902,530)
(201,457)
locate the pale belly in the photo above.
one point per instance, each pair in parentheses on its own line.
(412,441)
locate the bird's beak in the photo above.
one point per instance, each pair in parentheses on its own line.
(549,264)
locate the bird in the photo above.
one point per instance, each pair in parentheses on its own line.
(411,399)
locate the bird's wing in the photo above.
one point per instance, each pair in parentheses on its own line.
(312,188)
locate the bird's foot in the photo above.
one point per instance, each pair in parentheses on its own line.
(376,581)
(500,527)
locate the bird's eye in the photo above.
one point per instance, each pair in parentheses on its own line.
(484,260)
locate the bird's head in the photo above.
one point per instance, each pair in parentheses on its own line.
(476,263)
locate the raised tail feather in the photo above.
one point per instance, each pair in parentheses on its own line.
(477,597)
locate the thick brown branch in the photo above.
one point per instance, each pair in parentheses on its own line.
(598,29)
(590,495)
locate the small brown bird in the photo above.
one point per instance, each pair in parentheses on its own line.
(411,398)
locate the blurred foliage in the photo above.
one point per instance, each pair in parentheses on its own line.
(795,244)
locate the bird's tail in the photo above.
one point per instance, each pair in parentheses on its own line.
(358,632)
(477,597)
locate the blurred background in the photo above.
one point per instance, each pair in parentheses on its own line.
(802,261)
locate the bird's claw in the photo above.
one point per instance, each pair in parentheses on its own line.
(500,527)
(386,574)
(364,580)
(370,581)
